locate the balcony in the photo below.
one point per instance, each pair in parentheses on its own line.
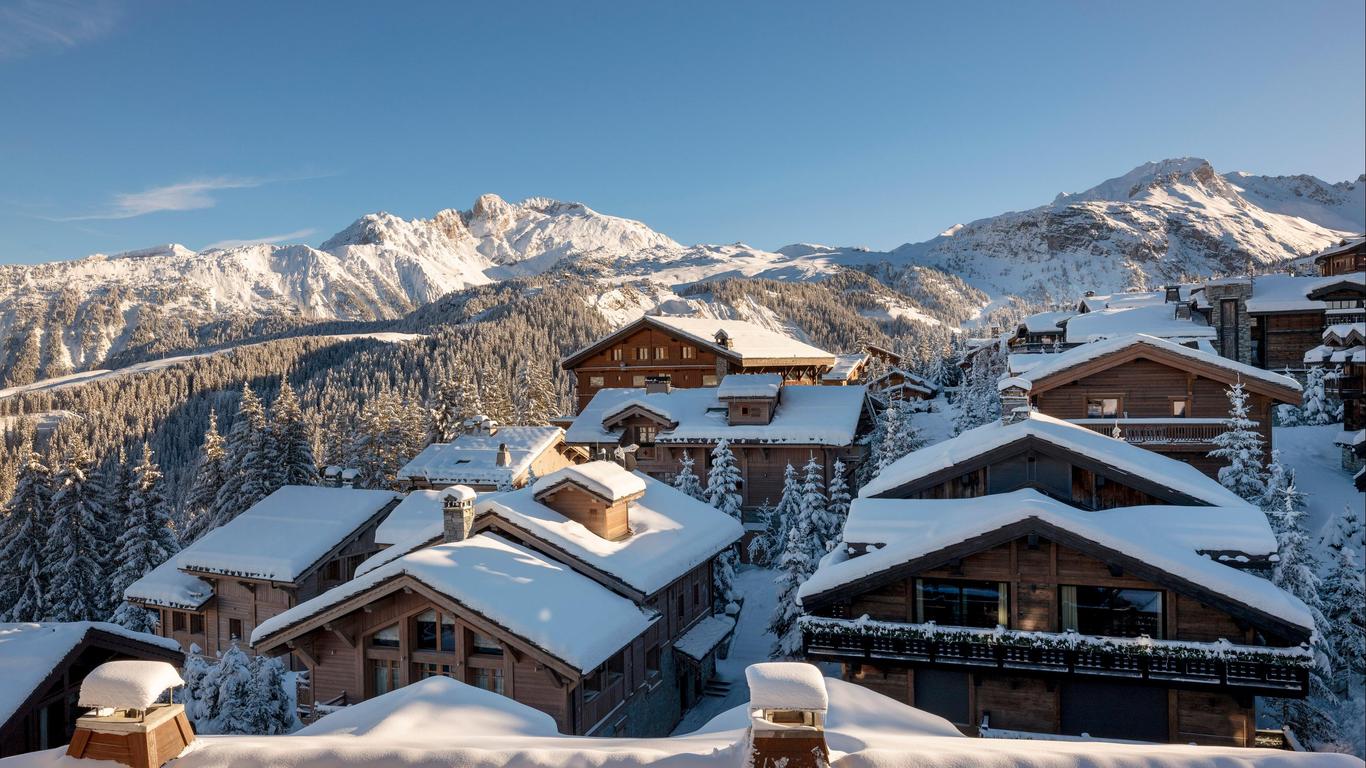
(1194,433)
(1255,670)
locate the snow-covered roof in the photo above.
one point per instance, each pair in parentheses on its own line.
(786,685)
(1346,245)
(805,416)
(568,615)
(1128,530)
(1243,529)
(166,586)
(748,341)
(1149,465)
(285,533)
(1287,293)
(845,366)
(1155,319)
(1019,362)
(408,713)
(128,684)
(1085,353)
(705,635)
(29,653)
(749,385)
(473,458)
(419,512)
(1343,333)
(671,532)
(1046,322)
(603,478)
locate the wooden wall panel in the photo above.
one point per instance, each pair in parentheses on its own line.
(1017,703)
(1213,719)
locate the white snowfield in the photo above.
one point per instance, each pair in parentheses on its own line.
(1085,353)
(804,415)
(440,723)
(29,653)
(568,615)
(1133,531)
(671,532)
(1137,461)
(472,458)
(129,684)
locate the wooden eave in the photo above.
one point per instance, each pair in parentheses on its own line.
(639,409)
(575,358)
(1033,525)
(1030,443)
(1340,285)
(1141,351)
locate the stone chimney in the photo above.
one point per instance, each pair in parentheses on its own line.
(787,707)
(126,724)
(655,385)
(504,458)
(481,425)
(457,513)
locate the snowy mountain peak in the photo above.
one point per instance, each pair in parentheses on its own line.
(1162,175)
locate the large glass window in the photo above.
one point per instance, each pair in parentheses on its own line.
(435,631)
(1112,611)
(485,644)
(488,679)
(425,671)
(1102,407)
(385,638)
(961,603)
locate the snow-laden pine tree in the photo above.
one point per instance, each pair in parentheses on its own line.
(1239,446)
(723,492)
(1344,604)
(768,545)
(236,705)
(686,479)
(795,565)
(448,410)
(1296,572)
(147,541)
(1316,409)
(246,476)
(760,546)
(388,434)
(23,536)
(209,476)
(272,710)
(290,448)
(119,483)
(536,401)
(978,400)
(815,507)
(77,588)
(838,508)
(201,692)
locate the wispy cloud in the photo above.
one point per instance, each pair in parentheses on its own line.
(269,239)
(35,26)
(184,196)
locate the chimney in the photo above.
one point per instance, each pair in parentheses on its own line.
(457,513)
(1173,294)
(504,458)
(126,724)
(787,706)
(658,385)
(724,339)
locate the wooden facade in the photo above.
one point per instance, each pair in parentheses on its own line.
(47,715)
(1347,257)
(646,350)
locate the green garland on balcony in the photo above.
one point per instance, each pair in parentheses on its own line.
(1220,650)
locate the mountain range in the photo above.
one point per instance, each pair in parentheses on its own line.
(1160,222)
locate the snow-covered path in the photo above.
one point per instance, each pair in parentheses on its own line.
(751,645)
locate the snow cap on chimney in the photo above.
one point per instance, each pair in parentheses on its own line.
(504,458)
(457,513)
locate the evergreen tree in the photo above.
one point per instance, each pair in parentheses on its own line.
(246,476)
(146,541)
(723,492)
(1344,604)
(201,692)
(209,476)
(686,480)
(760,547)
(236,705)
(789,506)
(291,446)
(272,710)
(794,567)
(536,402)
(389,433)
(23,536)
(815,507)
(448,411)
(76,590)
(838,508)
(1239,446)
(1316,409)
(978,399)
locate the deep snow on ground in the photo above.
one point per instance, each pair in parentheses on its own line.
(1318,472)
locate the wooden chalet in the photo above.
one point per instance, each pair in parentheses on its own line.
(1154,393)
(294,544)
(1343,357)
(1039,577)
(901,384)
(586,595)
(1346,257)
(487,457)
(767,423)
(1271,321)
(690,352)
(41,669)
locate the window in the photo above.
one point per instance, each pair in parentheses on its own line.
(744,410)
(652,667)
(485,645)
(435,631)
(177,621)
(196,624)
(383,675)
(488,679)
(689,353)
(661,353)
(234,629)
(646,435)
(425,671)
(385,638)
(708,379)
(1102,407)
(332,571)
(681,612)
(617,354)
(961,603)
(1111,611)
(638,381)
(1178,409)
(595,381)
(642,353)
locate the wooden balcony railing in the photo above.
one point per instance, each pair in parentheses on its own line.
(1254,670)
(1194,432)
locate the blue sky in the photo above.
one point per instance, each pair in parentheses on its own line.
(131,124)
